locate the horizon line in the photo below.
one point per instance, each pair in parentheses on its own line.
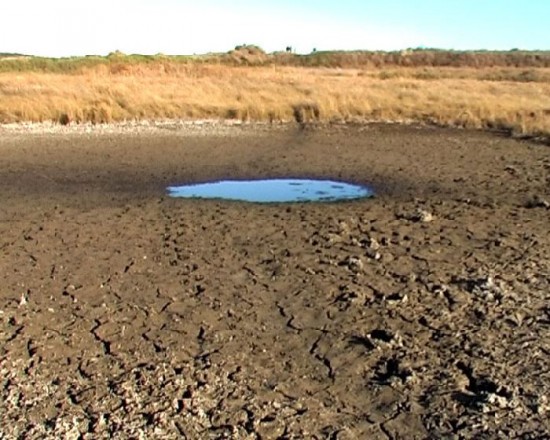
(312,52)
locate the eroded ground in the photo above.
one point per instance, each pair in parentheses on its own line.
(421,313)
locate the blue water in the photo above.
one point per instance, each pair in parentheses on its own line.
(273,190)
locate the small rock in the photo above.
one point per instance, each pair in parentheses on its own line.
(371,253)
(355,264)
(496,400)
(344,227)
(537,202)
(373,244)
(517,318)
(543,406)
(398,297)
(333,238)
(511,169)
(419,215)
(424,216)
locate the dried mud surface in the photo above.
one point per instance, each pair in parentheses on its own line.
(421,313)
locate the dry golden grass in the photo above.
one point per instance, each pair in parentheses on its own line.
(514,99)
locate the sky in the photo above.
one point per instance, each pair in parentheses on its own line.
(60,28)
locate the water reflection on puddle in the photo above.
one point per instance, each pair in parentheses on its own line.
(273,190)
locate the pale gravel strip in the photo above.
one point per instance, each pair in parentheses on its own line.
(181,127)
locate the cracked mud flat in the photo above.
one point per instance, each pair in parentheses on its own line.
(421,313)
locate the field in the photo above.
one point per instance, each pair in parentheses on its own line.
(420,313)
(475,91)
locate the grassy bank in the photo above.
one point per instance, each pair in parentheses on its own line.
(116,88)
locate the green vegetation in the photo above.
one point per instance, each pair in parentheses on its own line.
(17,63)
(255,56)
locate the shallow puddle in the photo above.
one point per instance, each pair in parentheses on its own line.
(273,190)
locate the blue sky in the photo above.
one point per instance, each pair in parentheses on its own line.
(73,27)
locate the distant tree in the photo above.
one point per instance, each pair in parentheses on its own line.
(289,49)
(116,54)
